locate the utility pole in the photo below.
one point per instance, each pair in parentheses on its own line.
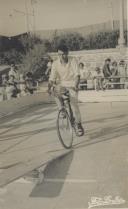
(26,14)
(34,17)
(121,40)
(111,14)
(27,18)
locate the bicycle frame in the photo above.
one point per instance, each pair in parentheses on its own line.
(65,100)
(67,105)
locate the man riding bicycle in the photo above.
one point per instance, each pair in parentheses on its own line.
(65,74)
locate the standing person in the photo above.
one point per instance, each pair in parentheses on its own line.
(49,67)
(29,82)
(122,73)
(14,71)
(4,86)
(107,70)
(126,81)
(65,71)
(84,74)
(22,85)
(98,79)
(11,88)
(114,69)
(114,74)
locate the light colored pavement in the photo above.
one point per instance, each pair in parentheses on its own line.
(27,139)
(41,96)
(96,167)
(104,96)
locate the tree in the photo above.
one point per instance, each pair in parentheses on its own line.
(28,41)
(74,41)
(35,60)
(12,56)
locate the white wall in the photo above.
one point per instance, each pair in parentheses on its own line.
(97,57)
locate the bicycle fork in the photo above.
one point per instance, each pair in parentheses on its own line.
(70,112)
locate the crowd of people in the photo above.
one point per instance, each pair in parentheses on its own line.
(110,75)
(15,84)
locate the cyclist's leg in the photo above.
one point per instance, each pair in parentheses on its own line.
(74,105)
(59,102)
(76,111)
(58,96)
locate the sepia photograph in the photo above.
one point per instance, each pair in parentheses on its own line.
(63,104)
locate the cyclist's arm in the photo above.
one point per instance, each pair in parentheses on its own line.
(52,78)
(50,85)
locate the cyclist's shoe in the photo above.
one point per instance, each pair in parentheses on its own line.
(79,129)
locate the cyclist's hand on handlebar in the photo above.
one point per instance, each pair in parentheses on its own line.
(49,91)
(50,87)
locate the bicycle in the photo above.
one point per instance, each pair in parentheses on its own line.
(65,122)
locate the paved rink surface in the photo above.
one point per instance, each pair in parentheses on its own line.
(94,172)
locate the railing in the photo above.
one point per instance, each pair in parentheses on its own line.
(107,82)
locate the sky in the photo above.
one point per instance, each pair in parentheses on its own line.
(54,14)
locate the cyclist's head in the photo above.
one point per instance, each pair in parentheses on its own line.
(62,47)
(63,52)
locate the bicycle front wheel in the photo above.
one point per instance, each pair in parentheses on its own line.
(64,129)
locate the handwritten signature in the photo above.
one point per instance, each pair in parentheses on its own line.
(107,200)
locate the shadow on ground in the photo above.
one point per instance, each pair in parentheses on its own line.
(101,135)
(104,119)
(54,176)
(22,136)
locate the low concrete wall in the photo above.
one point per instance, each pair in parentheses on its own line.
(97,57)
(18,104)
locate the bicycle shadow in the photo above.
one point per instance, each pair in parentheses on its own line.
(54,177)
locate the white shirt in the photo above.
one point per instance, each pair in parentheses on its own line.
(122,70)
(65,74)
(84,74)
(49,65)
(14,73)
(96,74)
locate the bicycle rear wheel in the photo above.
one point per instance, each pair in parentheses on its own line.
(64,129)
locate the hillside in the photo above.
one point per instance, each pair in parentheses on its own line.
(84,31)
